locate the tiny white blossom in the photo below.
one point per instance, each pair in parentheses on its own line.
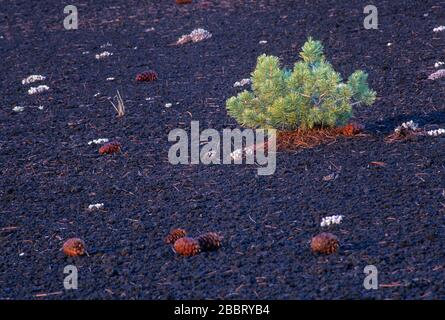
(435,133)
(96,206)
(437,75)
(409,125)
(250,150)
(110,79)
(103,55)
(327,221)
(196,35)
(438,64)
(33,78)
(168,105)
(262,42)
(18,109)
(237,154)
(39,89)
(439,29)
(98,141)
(200,35)
(242,83)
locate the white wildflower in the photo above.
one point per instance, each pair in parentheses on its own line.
(98,141)
(196,35)
(242,83)
(439,29)
(389,44)
(110,79)
(438,64)
(85,52)
(437,75)
(250,150)
(103,55)
(39,89)
(40,107)
(262,42)
(168,105)
(410,125)
(435,133)
(327,221)
(106,45)
(33,78)
(18,109)
(96,206)
(200,34)
(237,154)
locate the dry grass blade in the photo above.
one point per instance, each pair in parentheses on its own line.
(119,106)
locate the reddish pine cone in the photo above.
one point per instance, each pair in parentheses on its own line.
(74,247)
(147,76)
(325,243)
(209,241)
(183,1)
(109,148)
(174,235)
(187,246)
(351,129)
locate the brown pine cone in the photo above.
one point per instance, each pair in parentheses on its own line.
(187,246)
(351,129)
(74,247)
(325,243)
(109,148)
(174,235)
(183,1)
(209,241)
(147,76)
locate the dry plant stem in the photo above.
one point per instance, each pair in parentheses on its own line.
(397,136)
(119,106)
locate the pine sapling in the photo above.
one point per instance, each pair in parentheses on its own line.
(311,95)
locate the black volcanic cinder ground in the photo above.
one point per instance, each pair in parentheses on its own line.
(394,214)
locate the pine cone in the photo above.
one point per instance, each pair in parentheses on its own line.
(187,246)
(351,129)
(147,76)
(74,247)
(183,1)
(209,241)
(174,235)
(325,243)
(110,148)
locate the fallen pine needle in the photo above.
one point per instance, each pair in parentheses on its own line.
(8,228)
(378,163)
(41,295)
(391,285)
